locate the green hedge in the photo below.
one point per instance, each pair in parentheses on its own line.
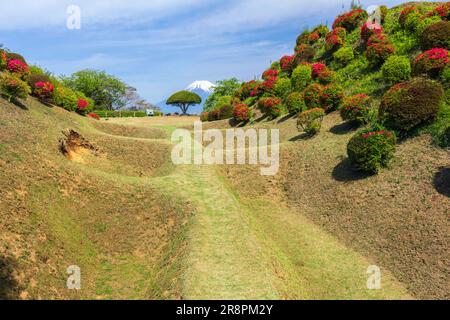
(120,114)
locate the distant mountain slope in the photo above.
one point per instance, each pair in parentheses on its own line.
(203,88)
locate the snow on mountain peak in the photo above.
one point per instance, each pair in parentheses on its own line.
(202,85)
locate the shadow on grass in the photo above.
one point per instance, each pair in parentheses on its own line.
(442,181)
(303,136)
(9,288)
(345,128)
(286,118)
(345,172)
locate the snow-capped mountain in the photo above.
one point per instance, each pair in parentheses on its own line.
(203,88)
(203,85)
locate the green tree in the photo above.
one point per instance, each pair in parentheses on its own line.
(224,88)
(107,91)
(184,100)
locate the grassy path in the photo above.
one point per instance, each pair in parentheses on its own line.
(225,260)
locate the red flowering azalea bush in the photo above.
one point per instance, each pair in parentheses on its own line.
(286,64)
(378,49)
(405,13)
(372,149)
(18,67)
(270,74)
(93,116)
(248,89)
(442,11)
(242,112)
(335,39)
(270,106)
(312,95)
(351,20)
(321,73)
(82,106)
(12,87)
(318,33)
(431,62)
(267,86)
(410,104)
(331,97)
(43,90)
(356,108)
(310,121)
(369,29)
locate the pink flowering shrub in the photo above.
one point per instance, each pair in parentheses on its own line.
(431,62)
(372,149)
(43,90)
(18,67)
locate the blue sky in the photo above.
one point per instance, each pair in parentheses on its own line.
(161,46)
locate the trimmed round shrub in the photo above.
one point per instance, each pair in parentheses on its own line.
(431,62)
(295,103)
(396,69)
(351,20)
(12,87)
(301,77)
(242,113)
(436,35)
(286,64)
(283,88)
(335,39)
(270,106)
(310,121)
(43,91)
(312,95)
(344,55)
(65,98)
(226,112)
(303,53)
(34,78)
(321,73)
(378,50)
(15,56)
(247,89)
(371,149)
(331,97)
(204,116)
(84,105)
(356,108)
(410,104)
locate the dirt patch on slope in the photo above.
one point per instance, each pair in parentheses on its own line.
(74,146)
